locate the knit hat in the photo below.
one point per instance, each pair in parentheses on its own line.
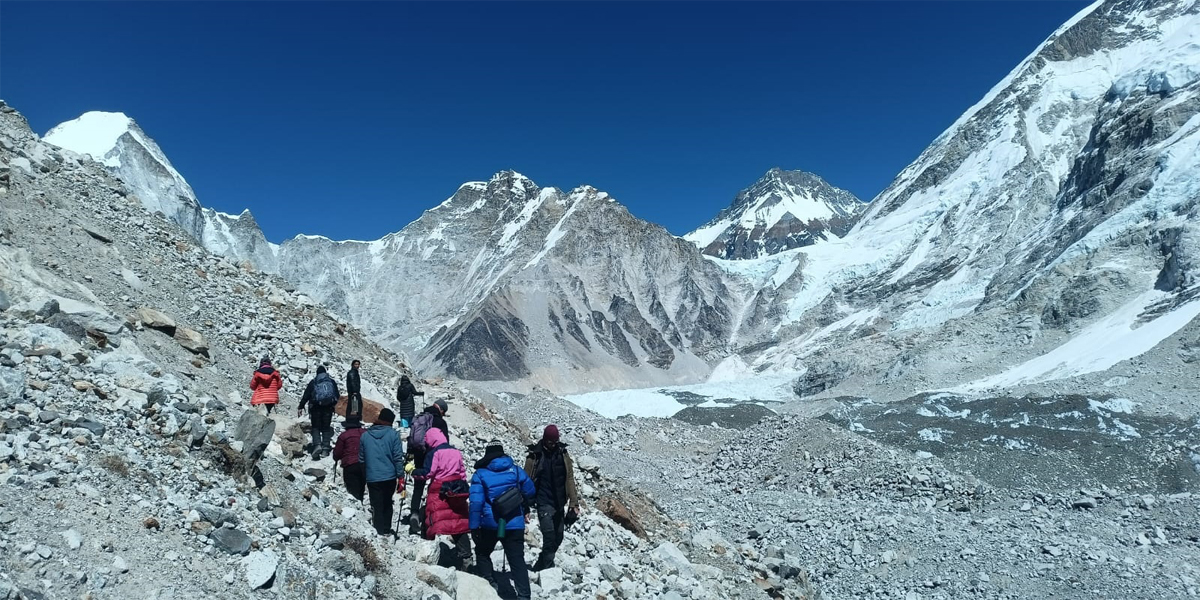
(265,362)
(352,422)
(441,404)
(550,434)
(386,417)
(320,368)
(492,451)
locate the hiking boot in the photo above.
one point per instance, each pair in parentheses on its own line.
(542,564)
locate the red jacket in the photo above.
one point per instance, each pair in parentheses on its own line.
(346,448)
(445,516)
(266,383)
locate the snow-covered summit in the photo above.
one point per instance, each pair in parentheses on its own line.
(94,133)
(781,211)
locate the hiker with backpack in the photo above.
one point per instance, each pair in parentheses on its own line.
(265,385)
(553,473)
(354,403)
(322,392)
(433,417)
(501,493)
(382,455)
(346,451)
(406,394)
(446,510)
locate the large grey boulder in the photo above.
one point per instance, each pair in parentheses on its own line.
(232,541)
(12,385)
(254,431)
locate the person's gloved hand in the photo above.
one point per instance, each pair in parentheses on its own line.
(409,467)
(399,484)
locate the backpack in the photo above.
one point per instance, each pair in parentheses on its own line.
(506,506)
(325,392)
(420,426)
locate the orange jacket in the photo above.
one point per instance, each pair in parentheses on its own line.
(266,386)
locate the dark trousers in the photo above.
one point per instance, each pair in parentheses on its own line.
(322,432)
(418,488)
(462,552)
(270,407)
(550,522)
(355,476)
(514,550)
(381,502)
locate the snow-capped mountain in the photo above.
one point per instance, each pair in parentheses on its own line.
(117,142)
(781,211)
(1049,233)
(506,280)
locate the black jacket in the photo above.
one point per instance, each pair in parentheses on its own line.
(353,383)
(404,398)
(308,391)
(439,422)
(553,474)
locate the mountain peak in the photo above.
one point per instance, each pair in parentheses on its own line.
(94,133)
(782,210)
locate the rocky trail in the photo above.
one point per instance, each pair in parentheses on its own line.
(131,465)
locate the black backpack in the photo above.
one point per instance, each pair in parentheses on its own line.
(324,391)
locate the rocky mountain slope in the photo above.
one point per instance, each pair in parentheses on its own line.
(131,466)
(781,211)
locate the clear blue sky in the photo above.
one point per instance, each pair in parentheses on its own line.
(350,119)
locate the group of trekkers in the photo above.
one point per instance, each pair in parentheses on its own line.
(488,509)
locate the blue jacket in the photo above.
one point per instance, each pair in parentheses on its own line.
(488,483)
(380,450)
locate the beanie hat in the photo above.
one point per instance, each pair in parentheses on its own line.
(321,368)
(551,433)
(494,444)
(441,404)
(265,362)
(352,422)
(386,417)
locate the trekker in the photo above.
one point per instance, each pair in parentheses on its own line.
(346,451)
(446,510)
(383,458)
(265,385)
(354,403)
(497,514)
(433,417)
(552,471)
(322,391)
(405,393)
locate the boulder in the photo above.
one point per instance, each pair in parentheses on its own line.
(439,578)
(621,515)
(232,541)
(260,568)
(254,431)
(215,514)
(471,587)
(191,340)
(672,559)
(12,385)
(155,319)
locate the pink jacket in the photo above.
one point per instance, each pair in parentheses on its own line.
(443,462)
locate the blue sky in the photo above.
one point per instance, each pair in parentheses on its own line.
(350,119)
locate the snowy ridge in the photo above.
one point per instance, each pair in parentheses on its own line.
(783,210)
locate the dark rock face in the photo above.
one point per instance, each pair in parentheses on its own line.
(489,347)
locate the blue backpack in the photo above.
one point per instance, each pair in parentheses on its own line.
(324,391)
